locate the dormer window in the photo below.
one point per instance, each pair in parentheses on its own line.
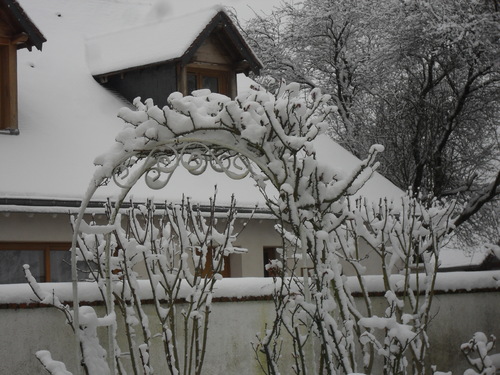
(16,32)
(200,50)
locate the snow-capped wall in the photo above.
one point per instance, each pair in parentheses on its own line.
(248,288)
(234,324)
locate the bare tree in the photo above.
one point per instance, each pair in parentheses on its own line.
(183,252)
(421,78)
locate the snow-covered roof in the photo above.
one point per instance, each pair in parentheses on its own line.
(377,187)
(451,257)
(66,118)
(162,40)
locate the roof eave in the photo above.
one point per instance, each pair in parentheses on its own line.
(98,76)
(35,36)
(45,205)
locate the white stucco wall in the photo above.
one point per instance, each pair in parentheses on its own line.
(35,227)
(50,227)
(258,234)
(234,326)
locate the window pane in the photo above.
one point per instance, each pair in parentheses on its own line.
(60,266)
(211,83)
(192,82)
(12,261)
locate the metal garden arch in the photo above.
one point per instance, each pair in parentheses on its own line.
(267,136)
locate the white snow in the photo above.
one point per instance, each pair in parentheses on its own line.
(162,40)
(331,153)
(452,257)
(445,282)
(66,118)
(247,287)
(54,367)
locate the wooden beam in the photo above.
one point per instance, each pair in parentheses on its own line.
(233,87)
(20,38)
(210,66)
(182,78)
(8,87)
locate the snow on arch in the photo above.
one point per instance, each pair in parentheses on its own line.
(327,151)
(330,153)
(377,187)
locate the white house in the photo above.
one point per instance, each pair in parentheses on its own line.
(67,67)
(99,55)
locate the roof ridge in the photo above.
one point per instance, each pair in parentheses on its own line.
(143,24)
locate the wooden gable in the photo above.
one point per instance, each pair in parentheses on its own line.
(17,28)
(213,51)
(221,38)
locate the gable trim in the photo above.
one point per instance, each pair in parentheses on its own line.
(34,35)
(222,19)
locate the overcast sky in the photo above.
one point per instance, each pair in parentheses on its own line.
(243,7)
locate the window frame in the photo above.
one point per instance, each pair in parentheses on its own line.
(222,76)
(46,247)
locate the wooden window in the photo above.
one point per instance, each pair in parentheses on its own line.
(214,80)
(270,253)
(47,261)
(208,269)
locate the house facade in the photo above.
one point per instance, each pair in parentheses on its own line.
(98,56)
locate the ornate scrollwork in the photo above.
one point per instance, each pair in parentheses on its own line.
(159,165)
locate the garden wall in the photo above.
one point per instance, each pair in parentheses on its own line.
(464,303)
